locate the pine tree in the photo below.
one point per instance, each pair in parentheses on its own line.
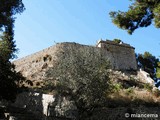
(141,13)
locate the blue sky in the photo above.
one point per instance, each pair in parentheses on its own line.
(46,22)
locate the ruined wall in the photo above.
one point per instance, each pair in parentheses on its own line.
(46,105)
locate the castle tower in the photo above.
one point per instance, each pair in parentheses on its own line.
(121,55)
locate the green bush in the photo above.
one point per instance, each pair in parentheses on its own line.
(82,73)
(148,87)
(129,91)
(115,87)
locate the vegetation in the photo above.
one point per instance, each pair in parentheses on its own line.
(129,90)
(8,76)
(117,40)
(82,75)
(149,63)
(148,87)
(158,70)
(115,87)
(141,13)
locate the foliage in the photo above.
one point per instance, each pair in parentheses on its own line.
(148,87)
(9,80)
(115,87)
(82,75)
(158,74)
(148,62)
(8,76)
(141,13)
(158,70)
(132,79)
(117,40)
(129,90)
(8,8)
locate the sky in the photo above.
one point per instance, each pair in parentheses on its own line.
(47,22)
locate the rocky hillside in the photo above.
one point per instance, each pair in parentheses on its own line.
(130,95)
(127,95)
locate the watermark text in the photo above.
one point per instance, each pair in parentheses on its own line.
(140,115)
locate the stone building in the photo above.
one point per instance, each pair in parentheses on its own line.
(121,55)
(33,67)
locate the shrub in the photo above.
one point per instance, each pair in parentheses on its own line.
(129,91)
(148,87)
(83,75)
(115,87)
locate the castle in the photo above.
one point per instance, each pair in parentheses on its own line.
(34,66)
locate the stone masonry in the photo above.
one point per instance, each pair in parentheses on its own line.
(121,55)
(35,66)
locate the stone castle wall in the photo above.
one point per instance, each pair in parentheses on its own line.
(34,66)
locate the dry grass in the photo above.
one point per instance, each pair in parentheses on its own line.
(132,91)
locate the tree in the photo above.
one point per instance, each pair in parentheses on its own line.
(83,75)
(149,63)
(8,76)
(158,74)
(158,71)
(141,13)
